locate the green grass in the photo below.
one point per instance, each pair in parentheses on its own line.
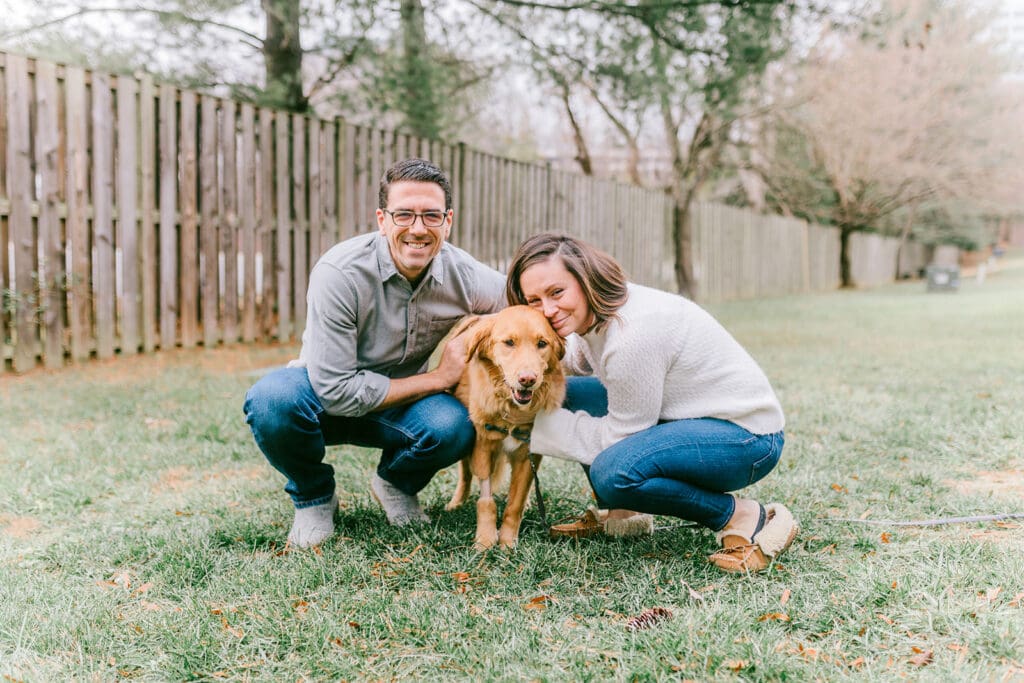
(141,531)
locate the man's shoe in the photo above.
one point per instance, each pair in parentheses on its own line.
(400,507)
(313,525)
(774,533)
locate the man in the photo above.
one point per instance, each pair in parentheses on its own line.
(378,306)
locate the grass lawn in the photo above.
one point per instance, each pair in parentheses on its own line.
(141,531)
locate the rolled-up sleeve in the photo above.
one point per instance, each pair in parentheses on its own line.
(329,348)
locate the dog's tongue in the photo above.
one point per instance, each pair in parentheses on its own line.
(522,397)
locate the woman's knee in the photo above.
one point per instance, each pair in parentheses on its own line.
(612,484)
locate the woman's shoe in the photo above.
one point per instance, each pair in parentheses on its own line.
(775,531)
(589,523)
(595,521)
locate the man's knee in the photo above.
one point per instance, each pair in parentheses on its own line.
(279,398)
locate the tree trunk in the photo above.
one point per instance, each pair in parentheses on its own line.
(682,240)
(419,104)
(282,55)
(582,152)
(904,234)
(845,276)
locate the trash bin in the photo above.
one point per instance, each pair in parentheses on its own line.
(943,278)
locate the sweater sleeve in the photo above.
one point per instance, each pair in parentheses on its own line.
(635,379)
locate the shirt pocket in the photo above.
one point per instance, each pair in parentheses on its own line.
(430,335)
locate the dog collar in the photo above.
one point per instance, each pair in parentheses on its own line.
(519,433)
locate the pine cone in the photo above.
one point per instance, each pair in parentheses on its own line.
(648,618)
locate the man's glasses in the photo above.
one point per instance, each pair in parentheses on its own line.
(405,219)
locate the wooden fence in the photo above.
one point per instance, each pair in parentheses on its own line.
(137,216)
(740,254)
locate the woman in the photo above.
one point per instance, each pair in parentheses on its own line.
(676,414)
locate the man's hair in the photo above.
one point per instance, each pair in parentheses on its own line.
(600,276)
(417,170)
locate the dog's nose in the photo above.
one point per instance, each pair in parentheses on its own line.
(527,380)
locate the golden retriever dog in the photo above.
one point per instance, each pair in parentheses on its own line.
(513,373)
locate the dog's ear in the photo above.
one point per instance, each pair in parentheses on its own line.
(477,336)
(559,345)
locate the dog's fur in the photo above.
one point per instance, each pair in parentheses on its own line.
(513,372)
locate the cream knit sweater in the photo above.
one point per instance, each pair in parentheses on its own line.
(665,358)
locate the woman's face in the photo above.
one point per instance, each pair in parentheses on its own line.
(552,290)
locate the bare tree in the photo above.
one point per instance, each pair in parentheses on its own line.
(875,126)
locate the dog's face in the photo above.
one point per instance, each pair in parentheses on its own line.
(522,347)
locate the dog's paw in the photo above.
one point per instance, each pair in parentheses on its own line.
(508,539)
(484,540)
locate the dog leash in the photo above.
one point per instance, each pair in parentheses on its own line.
(540,498)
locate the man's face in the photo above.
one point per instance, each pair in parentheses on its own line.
(413,247)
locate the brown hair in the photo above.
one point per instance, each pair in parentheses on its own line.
(600,276)
(417,170)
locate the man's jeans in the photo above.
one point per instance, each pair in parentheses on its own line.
(680,468)
(292,430)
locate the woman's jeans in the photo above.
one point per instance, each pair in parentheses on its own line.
(292,429)
(680,468)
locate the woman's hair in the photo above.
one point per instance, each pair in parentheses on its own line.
(600,276)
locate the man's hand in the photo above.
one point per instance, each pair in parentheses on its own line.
(453,361)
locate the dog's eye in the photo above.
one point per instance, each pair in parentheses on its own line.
(510,342)
(542,344)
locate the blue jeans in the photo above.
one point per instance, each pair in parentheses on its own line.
(417,440)
(681,468)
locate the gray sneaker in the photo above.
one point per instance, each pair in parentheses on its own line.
(400,508)
(313,525)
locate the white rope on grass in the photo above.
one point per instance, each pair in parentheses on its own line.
(927,522)
(890,522)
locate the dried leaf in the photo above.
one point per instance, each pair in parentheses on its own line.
(991,594)
(885,618)
(648,618)
(461,577)
(785,597)
(540,602)
(774,616)
(922,658)
(839,488)
(857,663)
(1016,599)
(886,537)
(736,665)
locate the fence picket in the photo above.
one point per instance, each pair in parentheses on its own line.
(127,211)
(229,221)
(22,235)
(189,242)
(52,274)
(168,231)
(102,218)
(247,230)
(76,225)
(147,229)
(282,249)
(209,223)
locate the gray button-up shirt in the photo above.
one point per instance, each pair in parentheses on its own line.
(367,324)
